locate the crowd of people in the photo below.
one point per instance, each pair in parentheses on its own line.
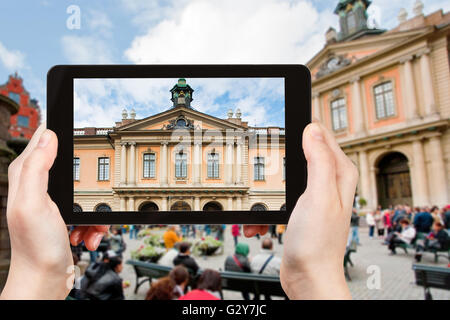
(426,228)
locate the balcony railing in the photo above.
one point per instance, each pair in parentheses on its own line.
(91,131)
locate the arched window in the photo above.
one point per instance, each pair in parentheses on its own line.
(384,100)
(77,208)
(103,207)
(212,206)
(258,207)
(180,206)
(148,206)
(339,114)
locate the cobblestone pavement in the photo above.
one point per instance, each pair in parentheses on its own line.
(397,276)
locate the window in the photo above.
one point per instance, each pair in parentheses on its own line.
(351,22)
(15,97)
(23,121)
(103,169)
(339,114)
(213,165)
(258,207)
(384,100)
(76,169)
(149,165)
(259,169)
(77,208)
(103,207)
(284,168)
(181,165)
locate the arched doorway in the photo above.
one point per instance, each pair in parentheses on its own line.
(148,206)
(103,207)
(77,208)
(393,180)
(258,207)
(213,206)
(180,206)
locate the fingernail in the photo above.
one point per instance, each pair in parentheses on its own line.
(97,240)
(44,139)
(316,132)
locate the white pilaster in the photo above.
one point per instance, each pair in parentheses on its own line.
(197,163)
(317,109)
(229,163)
(132,164)
(123,204)
(439,178)
(164,164)
(413,112)
(420,181)
(131,204)
(364,175)
(123,164)
(196,203)
(427,83)
(230,204)
(358,117)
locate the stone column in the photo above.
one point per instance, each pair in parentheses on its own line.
(197,163)
(409,92)
(421,197)
(229,163)
(364,176)
(165,201)
(427,83)
(123,204)
(197,204)
(373,201)
(238,203)
(131,204)
(163,164)
(239,162)
(230,204)
(132,164)
(358,116)
(317,110)
(439,173)
(123,164)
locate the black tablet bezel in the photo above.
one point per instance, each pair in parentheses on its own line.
(60,120)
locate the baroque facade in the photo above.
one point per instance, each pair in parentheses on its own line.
(180,159)
(385,94)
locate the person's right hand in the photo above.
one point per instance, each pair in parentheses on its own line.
(317,232)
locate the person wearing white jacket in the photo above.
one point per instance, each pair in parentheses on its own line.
(370,220)
(406,236)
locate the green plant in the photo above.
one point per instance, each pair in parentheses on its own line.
(362,202)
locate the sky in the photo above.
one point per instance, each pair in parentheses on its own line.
(37,34)
(99,102)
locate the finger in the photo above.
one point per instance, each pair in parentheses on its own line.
(77,235)
(15,168)
(346,172)
(253,230)
(92,238)
(35,167)
(321,162)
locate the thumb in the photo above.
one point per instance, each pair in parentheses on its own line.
(321,161)
(35,168)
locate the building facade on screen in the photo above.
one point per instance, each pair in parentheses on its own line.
(385,95)
(179,159)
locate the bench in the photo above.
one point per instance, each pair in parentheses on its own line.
(232,281)
(347,260)
(431,277)
(405,246)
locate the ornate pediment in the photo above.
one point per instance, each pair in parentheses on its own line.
(332,64)
(181,122)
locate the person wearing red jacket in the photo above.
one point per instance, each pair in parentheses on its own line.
(209,287)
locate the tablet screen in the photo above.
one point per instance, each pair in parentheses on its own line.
(188,144)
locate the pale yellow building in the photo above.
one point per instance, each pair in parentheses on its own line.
(180,159)
(386,96)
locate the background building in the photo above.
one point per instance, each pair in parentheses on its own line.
(180,159)
(385,94)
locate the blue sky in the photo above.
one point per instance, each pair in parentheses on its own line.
(35,35)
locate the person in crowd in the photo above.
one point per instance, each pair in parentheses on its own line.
(108,286)
(207,229)
(281,228)
(235,232)
(184,258)
(354,226)
(116,241)
(273,231)
(446,217)
(407,234)
(180,276)
(423,221)
(239,262)
(169,256)
(171,237)
(399,214)
(370,220)
(220,232)
(378,217)
(435,213)
(314,246)
(265,262)
(437,239)
(387,222)
(134,230)
(209,286)
(162,289)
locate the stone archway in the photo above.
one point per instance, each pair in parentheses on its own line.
(180,206)
(148,206)
(212,206)
(258,207)
(393,180)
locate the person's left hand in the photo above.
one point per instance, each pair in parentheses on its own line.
(41,260)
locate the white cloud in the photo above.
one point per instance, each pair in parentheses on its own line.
(86,50)
(234,31)
(13,60)
(100,23)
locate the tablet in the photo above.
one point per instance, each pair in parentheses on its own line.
(178,144)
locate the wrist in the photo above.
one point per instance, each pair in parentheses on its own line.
(316,283)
